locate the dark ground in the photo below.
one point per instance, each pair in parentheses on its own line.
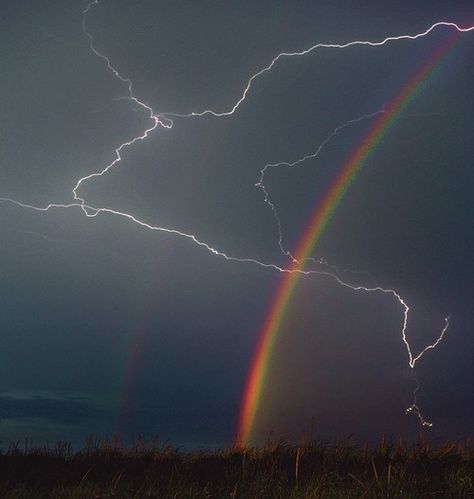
(311,470)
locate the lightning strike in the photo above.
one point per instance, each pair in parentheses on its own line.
(307,51)
(414,409)
(156,119)
(163,120)
(266,196)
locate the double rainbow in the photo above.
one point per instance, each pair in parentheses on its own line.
(319,220)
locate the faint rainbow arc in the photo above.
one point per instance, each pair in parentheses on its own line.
(320,218)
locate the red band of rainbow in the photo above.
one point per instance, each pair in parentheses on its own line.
(320,218)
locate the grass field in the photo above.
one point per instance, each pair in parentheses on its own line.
(279,470)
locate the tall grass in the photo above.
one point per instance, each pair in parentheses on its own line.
(278,470)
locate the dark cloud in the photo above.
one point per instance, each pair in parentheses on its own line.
(62,411)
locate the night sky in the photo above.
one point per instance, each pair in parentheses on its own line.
(107,327)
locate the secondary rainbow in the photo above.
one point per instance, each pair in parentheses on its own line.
(319,220)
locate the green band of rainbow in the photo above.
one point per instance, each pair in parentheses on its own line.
(320,218)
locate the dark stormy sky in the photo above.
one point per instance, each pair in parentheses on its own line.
(108,327)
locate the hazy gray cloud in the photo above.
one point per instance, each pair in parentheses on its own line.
(65,411)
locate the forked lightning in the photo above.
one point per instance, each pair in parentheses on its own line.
(163,120)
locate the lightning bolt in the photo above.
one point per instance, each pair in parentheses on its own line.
(164,121)
(414,408)
(266,196)
(155,119)
(307,51)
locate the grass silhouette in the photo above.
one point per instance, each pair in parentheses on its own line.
(279,470)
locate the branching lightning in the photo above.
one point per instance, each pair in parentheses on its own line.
(156,121)
(266,196)
(282,55)
(414,408)
(163,120)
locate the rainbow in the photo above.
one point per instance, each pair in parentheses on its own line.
(319,220)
